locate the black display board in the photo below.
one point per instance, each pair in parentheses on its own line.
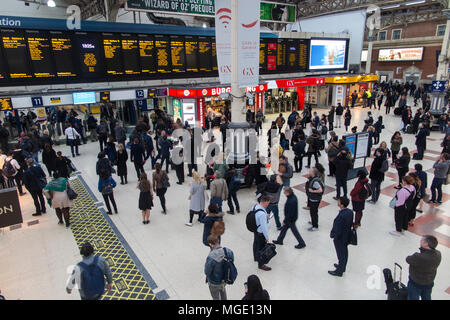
(177,54)
(204,54)
(147,54)
(16,54)
(130,54)
(63,56)
(10,213)
(40,50)
(112,49)
(90,55)
(191,50)
(162,45)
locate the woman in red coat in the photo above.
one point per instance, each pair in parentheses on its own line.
(357,201)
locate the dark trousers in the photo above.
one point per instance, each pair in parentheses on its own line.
(73,145)
(232,196)
(39,202)
(192,213)
(273,207)
(388,109)
(310,154)
(379,104)
(420,151)
(161,195)
(165,158)
(341,182)
(376,188)
(332,168)
(107,198)
(401,173)
(259,241)
(330,126)
(394,155)
(63,212)
(314,213)
(417,291)
(123,179)
(18,179)
(102,141)
(293,227)
(342,255)
(436,185)
(401,218)
(298,163)
(139,169)
(190,168)
(179,169)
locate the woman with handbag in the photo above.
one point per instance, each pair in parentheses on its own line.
(160,185)
(57,192)
(196,198)
(358,195)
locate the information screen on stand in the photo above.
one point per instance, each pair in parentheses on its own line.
(358,144)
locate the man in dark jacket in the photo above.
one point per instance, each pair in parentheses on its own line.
(299,151)
(137,155)
(164,151)
(290,217)
(35,180)
(421,142)
(340,233)
(422,269)
(343,164)
(92,127)
(376,174)
(102,131)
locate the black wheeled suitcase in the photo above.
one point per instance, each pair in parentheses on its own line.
(395,290)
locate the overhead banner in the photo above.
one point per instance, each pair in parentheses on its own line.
(248,43)
(401,54)
(223,40)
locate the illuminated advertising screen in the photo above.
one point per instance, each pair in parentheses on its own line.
(328,54)
(90,56)
(401,54)
(364,56)
(83,97)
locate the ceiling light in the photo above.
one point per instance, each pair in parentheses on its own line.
(51,3)
(414,2)
(391,7)
(204,25)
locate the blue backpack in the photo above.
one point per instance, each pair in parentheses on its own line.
(92,279)
(229,269)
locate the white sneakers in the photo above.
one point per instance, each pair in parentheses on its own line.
(188,224)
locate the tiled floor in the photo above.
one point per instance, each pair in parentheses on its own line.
(35,258)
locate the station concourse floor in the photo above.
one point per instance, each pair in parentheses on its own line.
(35,258)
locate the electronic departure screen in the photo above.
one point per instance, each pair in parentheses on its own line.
(303,49)
(177,54)
(5,104)
(291,54)
(162,46)
(272,56)
(262,55)
(147,53)
(214,55)
(281,55)
(62,54)
(204,54)
(130,53)
(191,44)
(90,55)
(15,51)
(105,96)
(40,51)
(113,54)
(3,75)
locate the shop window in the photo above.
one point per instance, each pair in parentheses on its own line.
(440,30)
(396,34)
(382,35)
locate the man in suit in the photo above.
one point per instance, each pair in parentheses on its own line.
(340,234)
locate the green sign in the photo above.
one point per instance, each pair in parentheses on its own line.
(194,7)
(270,11)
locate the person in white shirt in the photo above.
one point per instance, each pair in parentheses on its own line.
(72,135)
(13,176)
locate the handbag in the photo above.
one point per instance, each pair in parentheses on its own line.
(267,253)
(393,202)
(71,194)
(353,239)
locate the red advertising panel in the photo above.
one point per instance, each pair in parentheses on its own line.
(200,111)
(301,97)
(290,83)
(182,93)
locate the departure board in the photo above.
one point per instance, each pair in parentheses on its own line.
(113,54)
(162,46)
(191,44)
(214,55)
(5,104)
(40,51)
(281,54)
(62,54)
(204,54)
(292,54)
(3,75)
(90,55)
(177,54)
(16,55)
(147,54)
(303,50)
(151,93)
(262,55)
(271,56)
(130,52)
(105,96)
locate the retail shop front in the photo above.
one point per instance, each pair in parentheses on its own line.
(340,88)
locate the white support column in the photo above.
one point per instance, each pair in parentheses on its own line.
(369,52)
(442,71)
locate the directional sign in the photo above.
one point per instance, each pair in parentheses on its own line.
(37,101)
(140,94)
(439,86)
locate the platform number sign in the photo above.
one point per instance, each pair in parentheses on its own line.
(140,94)
(37,101)
(439,86)
(142,104)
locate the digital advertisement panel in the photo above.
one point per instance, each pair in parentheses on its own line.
(83,97)
(277,12)
(328,54)
(401,54)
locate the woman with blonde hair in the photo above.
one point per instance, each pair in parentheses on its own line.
(145,197)
(196,197)
(387,152)
(122,157)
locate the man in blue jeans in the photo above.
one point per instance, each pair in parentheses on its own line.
(422,269)
(440,174)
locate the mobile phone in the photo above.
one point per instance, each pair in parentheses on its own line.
(246,287)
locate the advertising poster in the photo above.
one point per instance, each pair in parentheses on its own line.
(350,142)
(188,107)
(197,8)
(401,54)
(223,40)
(327,54)
(248,43)
(277,12)
(362,145)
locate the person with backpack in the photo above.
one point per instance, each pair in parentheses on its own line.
(89,275)
(404,202)
(378,169)
(160,183)
(343,165)
(233,187)
(299,152)
(332,151)
(14,172)
(313,142)
(290,217)
(291,119)
(164,151)
(340,233)
(61,166)
(359,194)
(92,127)
(104,168)
(72,137)
(314,191)
(323,130)
(423,268)
(106,187)
(35,180)
(209,220)
(219,269)
(272,190)
(120,133)
(339,113)
(254,290)
(257,221)
(102,132)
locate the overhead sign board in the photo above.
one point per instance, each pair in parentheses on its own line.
(400,54)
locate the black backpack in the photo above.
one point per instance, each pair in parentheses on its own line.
(229,269)
(365,192)
(250,220)
(409,202)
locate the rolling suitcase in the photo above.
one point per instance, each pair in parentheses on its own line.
(395,290)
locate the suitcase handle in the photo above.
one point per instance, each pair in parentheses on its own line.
(395,268)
